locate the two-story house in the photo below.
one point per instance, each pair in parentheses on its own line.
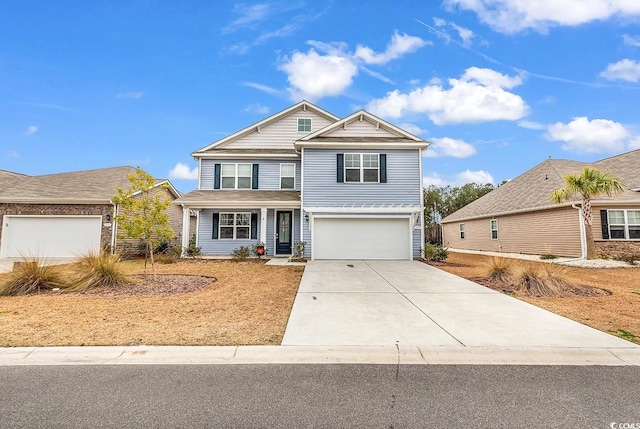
(348,188)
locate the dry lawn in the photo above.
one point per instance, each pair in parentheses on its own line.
(618,313)
(249,303)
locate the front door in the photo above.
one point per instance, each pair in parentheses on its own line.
(283,233)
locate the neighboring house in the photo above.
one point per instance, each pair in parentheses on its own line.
(63,215)
(348,188)
(520,217)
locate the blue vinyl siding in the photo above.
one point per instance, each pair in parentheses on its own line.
(417,244)
(269,172)
(322,189)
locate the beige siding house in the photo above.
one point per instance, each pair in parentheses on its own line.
(519,217)
(63,215)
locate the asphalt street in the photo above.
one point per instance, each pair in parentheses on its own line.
(298,396)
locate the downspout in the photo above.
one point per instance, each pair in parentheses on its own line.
(583,233)
(114,228)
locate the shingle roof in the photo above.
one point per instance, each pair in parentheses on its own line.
(97,186)
(532,189)
(224,196)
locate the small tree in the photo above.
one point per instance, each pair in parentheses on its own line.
(142,213)
(588,184)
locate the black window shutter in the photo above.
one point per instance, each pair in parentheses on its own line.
(254,224)
(340,168)
(383,168)
(604,220)
(216,220)
(216,177)
(254,177)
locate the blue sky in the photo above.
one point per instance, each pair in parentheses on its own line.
(497,86)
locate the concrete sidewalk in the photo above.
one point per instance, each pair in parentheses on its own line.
(254,355)
(344,303)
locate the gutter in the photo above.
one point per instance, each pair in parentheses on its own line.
(583,233)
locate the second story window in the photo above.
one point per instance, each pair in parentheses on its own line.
(287,176)
(235,176)
(304,125)
(361,167)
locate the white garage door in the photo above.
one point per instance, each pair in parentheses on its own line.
(49,236)
(361,238)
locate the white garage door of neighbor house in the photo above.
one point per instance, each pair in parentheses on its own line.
(361,238)
(49,236)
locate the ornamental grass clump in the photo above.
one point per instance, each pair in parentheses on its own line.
(99,270)
(499,270)
(31,275)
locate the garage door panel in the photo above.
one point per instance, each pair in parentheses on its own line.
(361,238)
(50,236)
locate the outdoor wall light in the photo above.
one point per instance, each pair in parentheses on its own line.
(306,217)
(108,217)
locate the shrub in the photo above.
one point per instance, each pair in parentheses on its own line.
(241,253)
(547,256)
(31,275)
(193,250)
(629,259)
(605,256)
(435,253)
(299,247)
(161,246)
(98,270)
(499,270)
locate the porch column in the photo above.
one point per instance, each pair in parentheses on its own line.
(263,225)
(186,220)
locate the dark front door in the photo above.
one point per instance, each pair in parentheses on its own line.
(283,233)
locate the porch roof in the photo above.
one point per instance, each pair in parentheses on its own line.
(239,199)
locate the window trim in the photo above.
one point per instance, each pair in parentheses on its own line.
(493,229)
(461,230)
(235,174)
(625,225)
(304,126)
(235,225)
(361,167)
(294,175)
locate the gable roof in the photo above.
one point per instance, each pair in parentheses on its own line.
(532,190)
(79,187)
(302,105)
(368,129)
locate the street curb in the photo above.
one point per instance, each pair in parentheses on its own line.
(253,355)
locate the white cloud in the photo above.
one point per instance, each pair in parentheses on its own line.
(328,69)
(31,130)
(136,95)
(510,16)
(625,69)
(465,34)
(449,147)
(631,40)
(399,45)
(480,177)
(182,171)
(634,143)
(584,136)
(412,128)
(263,88)
(478,96)
(257,108)
(249,15)
(313,76)
(530,125)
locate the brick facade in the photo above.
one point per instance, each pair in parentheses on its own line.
(62,209)
(618,248)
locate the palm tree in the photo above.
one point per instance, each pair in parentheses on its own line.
(588,184)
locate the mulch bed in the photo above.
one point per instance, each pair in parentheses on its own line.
(577,291)
(144,285)
(443,264)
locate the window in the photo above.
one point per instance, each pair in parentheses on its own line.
(235,226)
(624,224)
(235,176)
(462,231)
(494,229)
(287,176)
(304,125)
(361,167)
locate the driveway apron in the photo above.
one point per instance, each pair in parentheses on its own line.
(411,303)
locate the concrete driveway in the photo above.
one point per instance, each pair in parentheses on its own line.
(411,303)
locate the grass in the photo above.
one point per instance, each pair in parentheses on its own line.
(499,270)
(609,313)
(31,276)
(248,304)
